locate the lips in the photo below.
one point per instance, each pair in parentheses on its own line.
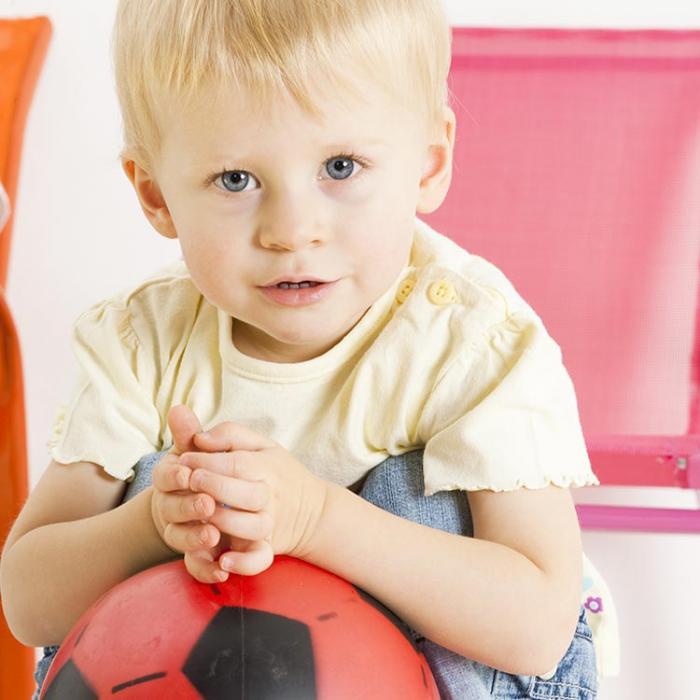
(299,296)
(296,279)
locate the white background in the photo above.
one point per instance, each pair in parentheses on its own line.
(80,235)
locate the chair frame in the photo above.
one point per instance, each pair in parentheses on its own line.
(24,49)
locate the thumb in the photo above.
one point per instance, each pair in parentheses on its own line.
(184,425)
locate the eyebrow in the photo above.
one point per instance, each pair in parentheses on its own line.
(357,142)
(337,147)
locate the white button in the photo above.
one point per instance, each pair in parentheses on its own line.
(405,289)
(442,292)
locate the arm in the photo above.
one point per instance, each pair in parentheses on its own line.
(70,544)
(507,598)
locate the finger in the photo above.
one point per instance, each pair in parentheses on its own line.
(228,463)
(170,475)
(191,537)
(237,493)
(239,464)
(257,557)
(183,424)
(242,524)
(181,508)
(232,436)
(203,565)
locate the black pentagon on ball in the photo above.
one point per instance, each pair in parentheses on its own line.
(246,653)
(69,683)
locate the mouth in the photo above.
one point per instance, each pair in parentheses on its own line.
(297,285)
(301,293)
(296,282)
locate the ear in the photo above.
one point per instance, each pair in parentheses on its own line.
(150,197)
(437,174)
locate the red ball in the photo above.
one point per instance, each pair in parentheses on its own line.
(292,632)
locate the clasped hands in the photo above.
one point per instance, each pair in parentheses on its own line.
(232,489)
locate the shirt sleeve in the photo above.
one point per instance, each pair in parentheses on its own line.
(110,418)
(504,415)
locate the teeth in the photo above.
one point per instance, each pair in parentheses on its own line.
(299,285)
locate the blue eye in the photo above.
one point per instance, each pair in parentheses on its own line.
(340,167)
(236,179)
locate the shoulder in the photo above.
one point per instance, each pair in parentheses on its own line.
(171,281)
(165,302)
(455,295)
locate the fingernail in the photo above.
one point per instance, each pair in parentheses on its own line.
(205,435)
(197,479)
(226,562)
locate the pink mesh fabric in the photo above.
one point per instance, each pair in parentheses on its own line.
(577,172)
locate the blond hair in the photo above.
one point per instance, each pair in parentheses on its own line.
(171,49)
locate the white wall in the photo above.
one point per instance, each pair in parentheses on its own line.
(80,235)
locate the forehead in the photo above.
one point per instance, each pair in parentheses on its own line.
(231,122)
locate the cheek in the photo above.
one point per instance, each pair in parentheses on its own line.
(381,251)
(196,221)
(204,242)
(209,265)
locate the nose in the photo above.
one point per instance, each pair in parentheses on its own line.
(291,222)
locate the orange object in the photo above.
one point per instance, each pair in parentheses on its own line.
(23,45)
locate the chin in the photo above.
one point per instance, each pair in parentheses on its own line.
(303,339)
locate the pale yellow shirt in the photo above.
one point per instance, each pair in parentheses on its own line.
(450,359)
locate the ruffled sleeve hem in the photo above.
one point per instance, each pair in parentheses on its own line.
(63,458)
(434,483)
(55,447)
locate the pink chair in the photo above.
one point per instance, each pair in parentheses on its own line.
(577,172)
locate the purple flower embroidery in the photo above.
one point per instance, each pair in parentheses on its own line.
(594,604)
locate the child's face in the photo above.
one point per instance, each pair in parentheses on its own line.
(254,199)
